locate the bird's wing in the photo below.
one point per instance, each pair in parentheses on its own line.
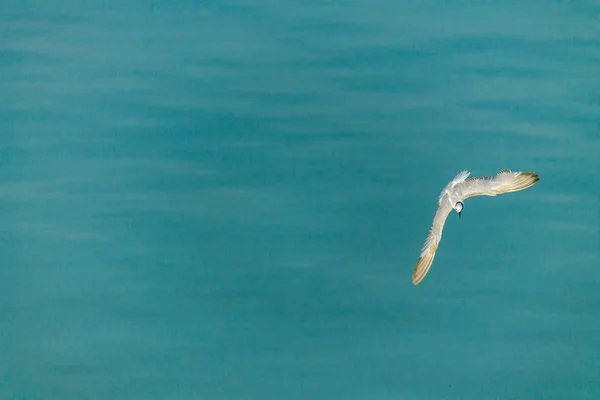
(431,244)
(505,181)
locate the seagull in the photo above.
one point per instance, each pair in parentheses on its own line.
(453,196)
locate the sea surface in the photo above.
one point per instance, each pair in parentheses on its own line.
(225,199)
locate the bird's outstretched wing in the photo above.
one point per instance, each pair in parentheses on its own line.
(432,242)
(505,181)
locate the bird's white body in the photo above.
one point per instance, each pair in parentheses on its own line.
(452,197)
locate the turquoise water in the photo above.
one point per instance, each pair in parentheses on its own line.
(225,200)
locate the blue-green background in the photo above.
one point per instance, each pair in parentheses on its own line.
(225,199)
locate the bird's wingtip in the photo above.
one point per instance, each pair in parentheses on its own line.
(422,267)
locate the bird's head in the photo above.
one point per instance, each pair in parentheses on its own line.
(459,207)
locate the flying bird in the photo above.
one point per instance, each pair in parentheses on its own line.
(453,196)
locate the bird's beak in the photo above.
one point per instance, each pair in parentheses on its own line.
(459,214)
